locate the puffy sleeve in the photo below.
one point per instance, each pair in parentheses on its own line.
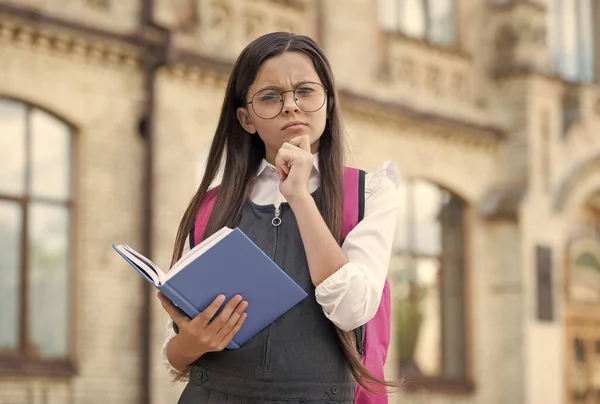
(350,297)
(169,332)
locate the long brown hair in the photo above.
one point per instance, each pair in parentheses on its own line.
(244,153)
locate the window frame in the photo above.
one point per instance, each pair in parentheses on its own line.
(556,36)
(443,383)
(426,38)
(22,362)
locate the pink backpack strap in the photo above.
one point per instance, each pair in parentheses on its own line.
(373,339)
(354,206)
(203,214)
(376,345)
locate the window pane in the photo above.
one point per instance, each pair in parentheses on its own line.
(596,370)
(579,379)
(412,18)
(388,14)
(571,38)
(418,318)
(586,41)
(569,55)
(430,286)
(442,21)
(51,157)
(48,286)
(427,199)
(553,31)
(12,147)
(453,281)
(10,285)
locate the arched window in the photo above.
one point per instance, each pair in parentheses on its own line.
(35,221)
(428,272)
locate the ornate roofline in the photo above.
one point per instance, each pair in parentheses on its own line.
(30,28)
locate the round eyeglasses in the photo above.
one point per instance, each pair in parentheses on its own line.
(268,103)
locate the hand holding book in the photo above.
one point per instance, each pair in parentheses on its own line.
(200,335)
(227,263)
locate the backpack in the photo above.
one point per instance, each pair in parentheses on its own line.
(373,338)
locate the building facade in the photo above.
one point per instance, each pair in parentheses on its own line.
(491,110)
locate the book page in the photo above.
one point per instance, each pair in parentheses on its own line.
(197,251)
(142,263)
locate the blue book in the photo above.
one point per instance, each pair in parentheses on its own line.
(227,263)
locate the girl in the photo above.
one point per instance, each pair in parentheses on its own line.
(280,128)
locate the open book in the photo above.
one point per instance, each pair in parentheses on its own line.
(227,263)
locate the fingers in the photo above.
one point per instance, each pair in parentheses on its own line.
(220,321)
(295,153)
(218,333)
(303,142)
(283,159)
(204,318)
(234,330)
(231,319)
(178,318)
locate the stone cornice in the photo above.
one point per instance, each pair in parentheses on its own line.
(23,27)
(28,29)
(444,50)
(528,4)
(296,4)
(196,74)
(445,127)
(521,72)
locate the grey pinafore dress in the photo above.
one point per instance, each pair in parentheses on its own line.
(297,359)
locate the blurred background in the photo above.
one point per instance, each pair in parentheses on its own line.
(490,109)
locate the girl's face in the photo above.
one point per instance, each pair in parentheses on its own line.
(285,73)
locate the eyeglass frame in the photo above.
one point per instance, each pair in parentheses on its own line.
(295,99)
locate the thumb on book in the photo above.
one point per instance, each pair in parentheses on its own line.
(173,311)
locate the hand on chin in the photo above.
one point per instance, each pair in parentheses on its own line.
(294,162)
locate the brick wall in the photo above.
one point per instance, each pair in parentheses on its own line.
(103,103)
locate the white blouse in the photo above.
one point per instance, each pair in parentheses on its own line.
(350,297)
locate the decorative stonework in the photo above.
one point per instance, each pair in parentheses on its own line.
(295,4)
(545,148)
(101,5)
(226,26)
(404,71)
(597,107)
(195,75)
(87,49)
(220,12)
(433,81)
(440,74)
(254,23)
(583,272)
(505,43)
(187,15)
(407,119)
(519,39)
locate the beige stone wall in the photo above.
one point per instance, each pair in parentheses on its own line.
(420,154)
(187,118)
(115,16)
(222,28)
(514,358)
(542,223)
(103,103)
